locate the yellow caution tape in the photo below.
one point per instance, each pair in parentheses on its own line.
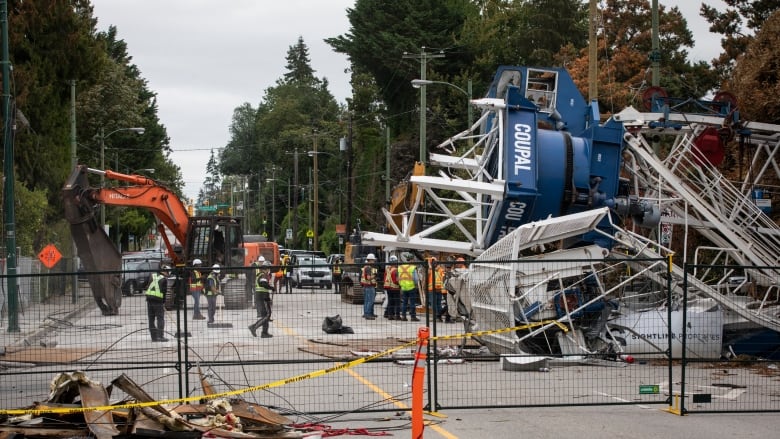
(278,383)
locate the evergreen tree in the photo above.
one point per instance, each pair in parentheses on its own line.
(738,24)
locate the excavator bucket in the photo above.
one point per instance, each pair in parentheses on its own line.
(98,254)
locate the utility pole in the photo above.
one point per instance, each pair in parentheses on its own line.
(295,196)
(316,195)
(387,166)
(8,173)
(349,178)
(74,286)
(593,83)
(423,57)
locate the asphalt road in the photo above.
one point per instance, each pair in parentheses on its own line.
(293,319)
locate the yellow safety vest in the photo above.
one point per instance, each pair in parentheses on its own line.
(196,281)
(368,276)
(213,276)
(406,277)
(154,287)
(337,269)
(261,287)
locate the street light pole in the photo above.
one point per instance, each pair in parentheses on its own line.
(421,83)
(103,138)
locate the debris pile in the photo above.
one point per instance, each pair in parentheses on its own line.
(79,407)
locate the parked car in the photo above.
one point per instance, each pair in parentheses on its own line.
(311,271)
(136,275)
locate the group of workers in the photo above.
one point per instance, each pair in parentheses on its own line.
(197,286)
(402,284)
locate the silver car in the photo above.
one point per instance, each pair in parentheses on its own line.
(312,272)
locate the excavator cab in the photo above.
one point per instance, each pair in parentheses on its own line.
(215,239)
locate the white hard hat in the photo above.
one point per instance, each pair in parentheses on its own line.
(371,257)
(197,262)
(215,268)
(393,258)
(261,259)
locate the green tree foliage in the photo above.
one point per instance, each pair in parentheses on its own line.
(31,212)
(267,141)
(53,44)
(757,75)
(624,46)
(382,32)
(738,24)
(211,182)
(50,42)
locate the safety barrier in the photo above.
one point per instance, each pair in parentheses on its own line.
(558,352)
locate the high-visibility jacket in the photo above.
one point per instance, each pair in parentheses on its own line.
(435,278)
(406,277)
(196,281)
(154,289)
(261,285)
(212,284)
(391,278)
(368,276)
(337,269)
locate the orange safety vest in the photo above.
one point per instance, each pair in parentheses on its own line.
(435,283)
(368,276)
(390,283)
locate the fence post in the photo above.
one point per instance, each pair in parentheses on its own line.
(418,378)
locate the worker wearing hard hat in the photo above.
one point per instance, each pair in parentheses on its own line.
(196,288)
(262,273)
(368,281)
(263,291)
(435,287)
(407,281)
(287,274)
(155,303)
(212,290)
(392,290)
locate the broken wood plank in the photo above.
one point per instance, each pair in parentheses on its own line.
(127,385)
(100,422)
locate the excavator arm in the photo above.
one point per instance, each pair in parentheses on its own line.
(97,252)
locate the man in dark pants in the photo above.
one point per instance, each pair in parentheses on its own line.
(337,276)
(212,291)
(263,291)
(155,303)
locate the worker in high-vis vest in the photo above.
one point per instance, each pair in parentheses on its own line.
(336,276)
(263,291)
(368,281)
(212,290)
(392,290)
(407,281)
(196,288)
(155,303)
(435,285)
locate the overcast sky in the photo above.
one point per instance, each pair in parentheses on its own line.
(205,58)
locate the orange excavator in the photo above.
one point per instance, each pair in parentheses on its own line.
(212,239)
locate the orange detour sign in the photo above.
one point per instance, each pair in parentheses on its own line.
(50,256)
